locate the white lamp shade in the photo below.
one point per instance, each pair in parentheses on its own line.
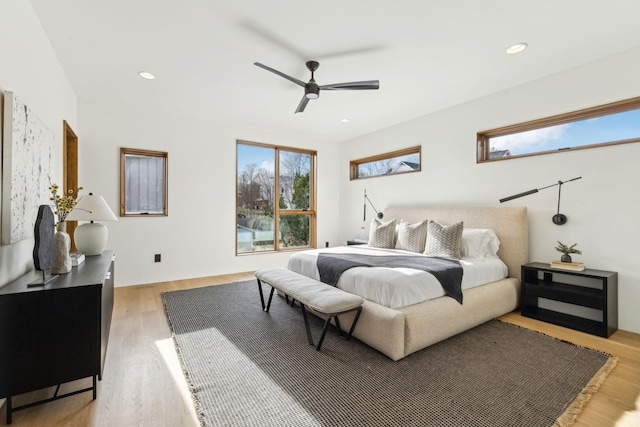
(91,208)
(91,238)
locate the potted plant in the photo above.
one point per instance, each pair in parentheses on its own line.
(567,251)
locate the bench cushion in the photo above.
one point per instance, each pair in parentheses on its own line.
(316,295)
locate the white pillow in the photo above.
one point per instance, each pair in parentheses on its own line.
(479,243)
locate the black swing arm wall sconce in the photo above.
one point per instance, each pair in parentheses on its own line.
(558,218)
(366,199)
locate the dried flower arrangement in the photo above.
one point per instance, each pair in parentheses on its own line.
(63,205)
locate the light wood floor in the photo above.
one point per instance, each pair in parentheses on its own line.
(143,383)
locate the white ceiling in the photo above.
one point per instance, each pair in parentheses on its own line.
(427,54)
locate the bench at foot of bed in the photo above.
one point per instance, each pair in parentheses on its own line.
(326,300)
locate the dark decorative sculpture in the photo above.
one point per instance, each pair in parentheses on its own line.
(43,248)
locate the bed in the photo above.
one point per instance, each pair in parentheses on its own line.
(399,325)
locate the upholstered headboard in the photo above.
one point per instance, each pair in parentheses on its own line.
(509,224)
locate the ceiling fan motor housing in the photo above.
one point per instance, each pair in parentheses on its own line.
(311,90)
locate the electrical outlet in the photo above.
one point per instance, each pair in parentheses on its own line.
(158,258)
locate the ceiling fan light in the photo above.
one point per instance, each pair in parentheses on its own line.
(311,95)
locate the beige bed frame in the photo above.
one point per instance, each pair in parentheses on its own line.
(400,332)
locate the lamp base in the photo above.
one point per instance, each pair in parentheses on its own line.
(91,238)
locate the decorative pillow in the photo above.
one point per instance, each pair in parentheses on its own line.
(479,243)
(412,237)
(382,234)
(444,241)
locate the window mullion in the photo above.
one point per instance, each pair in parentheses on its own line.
(276,200)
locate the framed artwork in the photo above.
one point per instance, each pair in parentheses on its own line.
(27,167)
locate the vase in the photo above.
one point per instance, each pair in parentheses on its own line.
(565,258)
(61,247)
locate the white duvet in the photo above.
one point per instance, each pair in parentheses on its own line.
(396,287)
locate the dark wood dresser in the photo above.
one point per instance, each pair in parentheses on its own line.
(57,333)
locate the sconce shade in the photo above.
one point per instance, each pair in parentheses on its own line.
(91,238)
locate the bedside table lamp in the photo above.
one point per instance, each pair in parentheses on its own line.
(91,238)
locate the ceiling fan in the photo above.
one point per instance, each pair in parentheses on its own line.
(312,89)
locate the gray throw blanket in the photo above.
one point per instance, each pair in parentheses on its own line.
(447,271)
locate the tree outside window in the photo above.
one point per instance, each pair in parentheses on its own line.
(270,220)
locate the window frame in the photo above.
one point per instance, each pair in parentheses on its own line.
(354,164)
(149,153)
(311,212)
(483,145)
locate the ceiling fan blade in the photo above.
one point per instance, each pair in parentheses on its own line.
(303,104)
(291,79)
(369,84)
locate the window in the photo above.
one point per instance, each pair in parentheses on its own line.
(396,162)
(143,182)
(275,205)
(616,123)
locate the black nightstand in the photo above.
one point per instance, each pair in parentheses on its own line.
(585,300)
(356,242)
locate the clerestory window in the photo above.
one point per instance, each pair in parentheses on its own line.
(610,124)
(392,163)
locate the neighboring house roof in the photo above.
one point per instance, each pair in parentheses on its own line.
(403,167)
(497,154)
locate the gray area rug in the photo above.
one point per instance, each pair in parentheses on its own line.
(246,367)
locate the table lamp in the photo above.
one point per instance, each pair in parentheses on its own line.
(91,238)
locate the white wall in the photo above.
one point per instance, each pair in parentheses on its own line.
(30,69)
(197,238)
(602,207)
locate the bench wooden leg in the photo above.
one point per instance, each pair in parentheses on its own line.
(348,335)
(270,298)
(262,296)
(324,331)
(306,324)
(353,325)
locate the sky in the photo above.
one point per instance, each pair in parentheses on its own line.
(261,156)
(613,127)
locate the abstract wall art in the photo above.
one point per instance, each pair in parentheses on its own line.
(27,168)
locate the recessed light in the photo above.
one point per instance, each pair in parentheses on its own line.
(516,48)
(345,120)
(146,75)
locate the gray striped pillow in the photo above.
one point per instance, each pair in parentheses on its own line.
(444,241)
(382,234)
(412,237)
